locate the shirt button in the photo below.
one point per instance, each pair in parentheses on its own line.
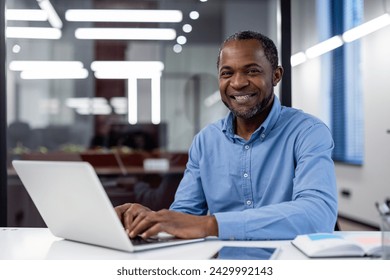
(246,147)
(246,175)
(262,136)
(248,202)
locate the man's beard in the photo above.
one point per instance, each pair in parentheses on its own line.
(250,113)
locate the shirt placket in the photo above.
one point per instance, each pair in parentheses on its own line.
(246,176)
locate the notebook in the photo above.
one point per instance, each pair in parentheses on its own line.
(74,205)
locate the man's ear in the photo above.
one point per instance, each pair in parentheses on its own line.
(278,74)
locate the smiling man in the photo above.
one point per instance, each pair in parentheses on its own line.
(263,172)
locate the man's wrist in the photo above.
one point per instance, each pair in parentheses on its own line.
(212,226)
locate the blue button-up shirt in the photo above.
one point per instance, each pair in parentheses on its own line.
(279,183)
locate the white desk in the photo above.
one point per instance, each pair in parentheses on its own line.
(40,244)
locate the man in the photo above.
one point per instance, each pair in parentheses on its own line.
(263,172)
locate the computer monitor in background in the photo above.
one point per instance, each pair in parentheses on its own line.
(142,136)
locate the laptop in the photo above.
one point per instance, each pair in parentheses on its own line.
(74,205)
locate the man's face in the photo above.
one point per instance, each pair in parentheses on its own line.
(246,78)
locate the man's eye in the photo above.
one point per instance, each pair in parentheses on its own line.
(225,73)
(253,71)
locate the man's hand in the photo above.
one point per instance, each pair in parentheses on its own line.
(139,220)
(128,212)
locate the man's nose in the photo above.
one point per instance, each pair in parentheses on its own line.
(239,80)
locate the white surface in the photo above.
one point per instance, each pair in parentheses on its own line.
(40,244)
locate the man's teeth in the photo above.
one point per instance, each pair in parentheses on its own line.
(242,97)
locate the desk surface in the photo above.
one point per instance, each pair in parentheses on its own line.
(40,244)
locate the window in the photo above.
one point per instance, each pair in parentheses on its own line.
(346,89)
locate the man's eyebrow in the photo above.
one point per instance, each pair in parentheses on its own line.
(245,66)
(252,65)
(225,67)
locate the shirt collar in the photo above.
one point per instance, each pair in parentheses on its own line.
(265,127)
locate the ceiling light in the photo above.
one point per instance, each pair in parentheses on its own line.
(297,59)
(53,17)
(337,41)
(39,69)
(156,100)
(126,69)
(181,40)
(57,74)
(177,48)
(124,15)
(187,28)
(85,102)
(194,15)
(106,110)
(126,33)
(366,28)
(87,106)
(33,33)
(26,15)
(42,65)
(16,48)
(119,104)
(132,71)
(324,47)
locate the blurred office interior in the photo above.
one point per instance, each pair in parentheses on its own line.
(95,80)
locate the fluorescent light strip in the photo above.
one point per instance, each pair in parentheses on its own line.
(119,104)
(53,17)
(101,15)
(126,69)
(41,65)
(26,15)
(94,111)
(324,47)
(88,106)
(132,101)
(133,70)
(337,41)
(33,33)
(156,100)
(366,28)
(50,74)
(85,102)
(125,33)
(297,59)
(44,69)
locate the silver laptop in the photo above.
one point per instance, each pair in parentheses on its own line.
(74,205)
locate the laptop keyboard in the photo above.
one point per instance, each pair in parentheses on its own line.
(140,241)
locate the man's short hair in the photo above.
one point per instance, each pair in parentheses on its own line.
(270,50)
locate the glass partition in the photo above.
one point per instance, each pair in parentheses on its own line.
(114,77)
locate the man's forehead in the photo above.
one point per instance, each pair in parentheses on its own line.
(247,51)
(243,46)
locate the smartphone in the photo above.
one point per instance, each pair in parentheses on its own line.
(246,253)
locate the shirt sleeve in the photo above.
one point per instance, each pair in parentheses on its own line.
(189,197)
(313,207)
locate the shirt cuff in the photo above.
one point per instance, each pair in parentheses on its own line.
(230,226)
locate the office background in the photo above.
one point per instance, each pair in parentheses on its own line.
(177,93)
